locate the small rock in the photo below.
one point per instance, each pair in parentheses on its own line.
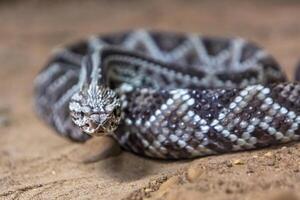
(147,190)
(228,163)
(170,183)
(153,182)
(269,154)
(238,162)
(283,148)
(193,173)
(166,186)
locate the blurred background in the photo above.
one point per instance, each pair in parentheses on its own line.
(30,154)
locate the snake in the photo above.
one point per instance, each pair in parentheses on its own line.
(169,95)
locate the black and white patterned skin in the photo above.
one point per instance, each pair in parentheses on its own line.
(181,95)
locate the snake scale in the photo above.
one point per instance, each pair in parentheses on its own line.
(169,95)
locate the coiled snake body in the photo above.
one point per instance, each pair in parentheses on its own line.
(169,95)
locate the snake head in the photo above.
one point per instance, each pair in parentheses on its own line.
(96,110)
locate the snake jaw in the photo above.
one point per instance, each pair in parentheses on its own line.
(96,110)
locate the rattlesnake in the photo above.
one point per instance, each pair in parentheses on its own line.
(169,95)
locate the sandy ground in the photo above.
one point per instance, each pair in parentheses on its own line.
(35,163)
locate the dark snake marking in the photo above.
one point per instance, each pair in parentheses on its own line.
(181,95)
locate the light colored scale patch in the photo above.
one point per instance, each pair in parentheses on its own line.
(60,82)
(276,110)
(237,46)
(153,123)
(210,63)
(227,114)
(83,75)
(149,149)
(142,37)
(133,78)
(294,120)
(68,55)
(265,123)
(253,61)
(75,106)
(96,69)
(57,107)
(273,109)
(189,119)
(96,44)
(177,54)
(180,102)
(46,75)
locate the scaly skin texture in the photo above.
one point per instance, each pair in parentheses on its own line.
(169,95)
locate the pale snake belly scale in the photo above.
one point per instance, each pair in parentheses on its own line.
(169,95)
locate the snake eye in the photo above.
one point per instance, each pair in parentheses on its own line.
(81,114)
(117,111)
(77,115)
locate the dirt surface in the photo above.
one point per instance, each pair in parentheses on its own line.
(35,163)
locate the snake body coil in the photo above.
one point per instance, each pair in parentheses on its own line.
(169,95)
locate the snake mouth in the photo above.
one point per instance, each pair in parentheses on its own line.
(95,129)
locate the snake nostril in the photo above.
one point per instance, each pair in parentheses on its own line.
(93,125)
